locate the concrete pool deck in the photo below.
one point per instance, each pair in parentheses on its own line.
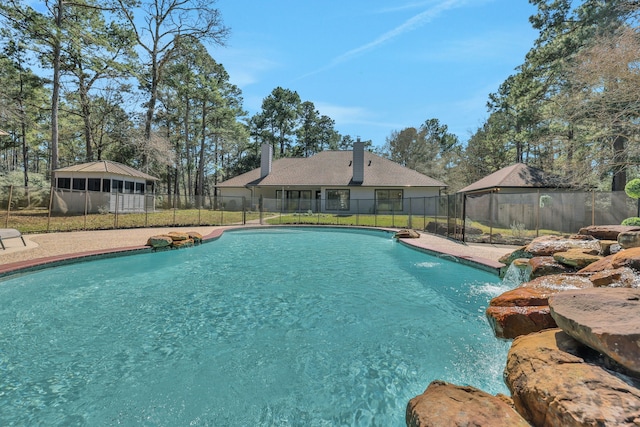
(51,248)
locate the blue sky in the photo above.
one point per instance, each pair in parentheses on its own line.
(377,66)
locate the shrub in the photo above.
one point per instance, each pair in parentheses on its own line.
(634,220)
(633,188)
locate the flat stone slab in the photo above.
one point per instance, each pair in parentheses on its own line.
(549,245)
(607,232)
(605,319)
(554,382)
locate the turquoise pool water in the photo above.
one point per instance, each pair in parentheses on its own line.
(261,327)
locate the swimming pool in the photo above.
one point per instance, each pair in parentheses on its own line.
(278,326)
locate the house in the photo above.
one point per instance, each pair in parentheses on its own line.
(340,182)
(102,186)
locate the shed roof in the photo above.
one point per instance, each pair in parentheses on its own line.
(518,175)
(334,168)
(107,166)
(3,133)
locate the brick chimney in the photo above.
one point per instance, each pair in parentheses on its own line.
(358,162)
(266,159)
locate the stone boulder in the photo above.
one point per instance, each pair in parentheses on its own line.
(512,256)
(407,233)
(525,309)
(552,386)
(607,320)
(627,258)
(512,322)
(547,265)
(549,245)
(607,232)
(609,247)
(560,282)
(578,258)
(623,277)
(523,297)
(177,236)
(195,236)
(159,241)
(444,404)
(629,239)
(186,243)
(600,265)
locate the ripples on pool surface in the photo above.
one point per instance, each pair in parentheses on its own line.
(261,327)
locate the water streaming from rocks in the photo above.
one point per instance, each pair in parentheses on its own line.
(516,275)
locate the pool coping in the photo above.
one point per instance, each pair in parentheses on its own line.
(29,266)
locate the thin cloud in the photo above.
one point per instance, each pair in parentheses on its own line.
(409,25)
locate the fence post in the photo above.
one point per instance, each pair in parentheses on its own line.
(538,214)
(593,207)
(244,210)
(115,212)
(86,205)
(222,211)
(175,196)
(491,217)
(50,208)
(6,222)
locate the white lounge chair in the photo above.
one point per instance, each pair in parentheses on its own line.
(10,233)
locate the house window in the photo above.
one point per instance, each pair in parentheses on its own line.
(338,200)
(64,183)
(389,200)
(129,187)
(139,188)
(295,200)
(93,184)
(79,183)
(106,185)
(118,185)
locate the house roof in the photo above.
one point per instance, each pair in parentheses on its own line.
(107,166)
(3,133)
(518,175)
(333,168)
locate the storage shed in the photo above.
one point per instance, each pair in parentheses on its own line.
(103,186)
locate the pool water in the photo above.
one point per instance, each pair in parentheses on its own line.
(276,327)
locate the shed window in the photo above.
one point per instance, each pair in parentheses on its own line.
(93,184)
(79,183)
(106,185)
(139,188)
(129,186)
(64,183)
(118,185)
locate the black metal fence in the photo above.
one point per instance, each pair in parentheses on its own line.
(511,218)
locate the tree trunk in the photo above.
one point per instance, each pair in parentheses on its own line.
(55,96)
(200,178)
(619,164)
(86,117)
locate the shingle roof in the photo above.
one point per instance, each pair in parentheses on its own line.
(334,168)
(107,166)
(518,175)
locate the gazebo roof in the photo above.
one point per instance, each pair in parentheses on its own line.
(518,175)
(107,166)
